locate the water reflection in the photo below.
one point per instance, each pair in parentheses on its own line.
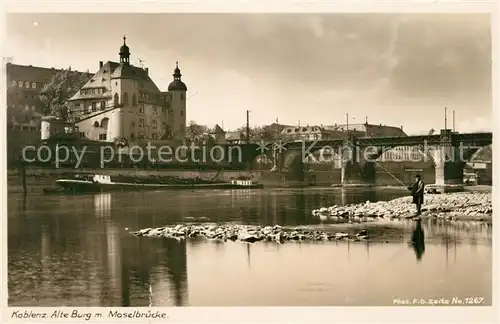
(418,240)
(175,264)
(75,251)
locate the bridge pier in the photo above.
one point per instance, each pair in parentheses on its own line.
(449,161)
(448,167)
(356,169)
(356,173)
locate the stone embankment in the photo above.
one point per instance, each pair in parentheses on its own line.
(246,233)
(463,205)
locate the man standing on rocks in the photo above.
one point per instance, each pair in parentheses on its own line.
(417,191)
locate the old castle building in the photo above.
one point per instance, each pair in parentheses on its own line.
(122,102)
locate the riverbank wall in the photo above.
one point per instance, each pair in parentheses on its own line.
(36,177)
(387,175)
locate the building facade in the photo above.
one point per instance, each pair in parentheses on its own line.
(121,102)
(24,83)
(306,133)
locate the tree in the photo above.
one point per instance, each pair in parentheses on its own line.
(266,133)
(120,142)
(195,131)
(63,85)
(259,133)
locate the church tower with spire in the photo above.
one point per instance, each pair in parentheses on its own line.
(177,92)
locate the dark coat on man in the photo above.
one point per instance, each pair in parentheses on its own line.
(417,191)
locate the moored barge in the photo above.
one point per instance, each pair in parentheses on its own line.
(104,183)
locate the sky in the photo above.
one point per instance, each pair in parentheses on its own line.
(307,69)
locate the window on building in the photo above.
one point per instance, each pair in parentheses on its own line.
(26,107)
(134,100)
(125,98)
(141,122)
(102,137)
(77,106)
(33,85)
(141,109)
(94,106)
(182,96)
(141,135)
(103,105)
(20,84)
(33,107)
(182,113)
(27,84)
(154,125)
(14,83)
(81,134)
(155,110)
(154,136)
(116,100)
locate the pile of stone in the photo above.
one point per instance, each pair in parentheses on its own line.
(246,233)
(476,206)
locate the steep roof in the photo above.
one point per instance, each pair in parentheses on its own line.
(370,129)
(234,136)
(217,130)
(17,72)
(113,70)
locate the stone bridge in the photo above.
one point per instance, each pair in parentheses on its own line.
(449,151)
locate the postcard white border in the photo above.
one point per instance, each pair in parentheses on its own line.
(275,314)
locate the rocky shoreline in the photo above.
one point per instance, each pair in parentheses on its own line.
(246,233)
(453,206)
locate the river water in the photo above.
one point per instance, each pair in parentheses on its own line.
(76,251)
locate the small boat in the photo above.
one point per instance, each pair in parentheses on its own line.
(104,183)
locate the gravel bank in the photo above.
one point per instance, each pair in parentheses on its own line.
(246,233)
(460,205)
